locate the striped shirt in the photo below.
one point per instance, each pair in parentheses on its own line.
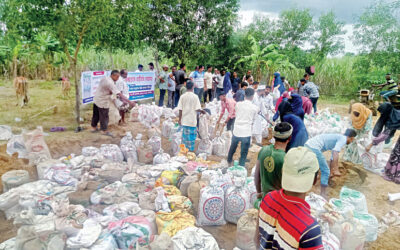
(392,85)
(285,222)
(311,89)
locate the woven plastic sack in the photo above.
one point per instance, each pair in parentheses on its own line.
(167,128)
(354,197)
(155,143)
(5,133)
(172,223)
(116,192)
(171,177)
(179,202)
(342,207)
(237,171)
(86,236)
(317,203)
(176,140)
(330,241)
(134,114)
(203,126)
(251,186)
(350,233)
(211,207)
(14,178)
(205,146)
(90,151)
(36,146)
(237,200)
(145,154)
(17,145)
(60,174)
(222,180)
(370,224)
(161,157)
(105,241)
(246,230)
(184,184)
(219,146)
(194,192)
(130,231)
(128,148)
(147,200)
(111,152)
(194,238)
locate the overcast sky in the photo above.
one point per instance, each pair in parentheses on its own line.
(345,10)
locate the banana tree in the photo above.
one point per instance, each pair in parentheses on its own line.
(47,46)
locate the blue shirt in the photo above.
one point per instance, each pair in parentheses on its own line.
(311,89)
(239,96)
(325,142)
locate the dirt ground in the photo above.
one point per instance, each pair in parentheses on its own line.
(373,186)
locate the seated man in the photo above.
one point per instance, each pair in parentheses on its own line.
(285,220)
(325,142)
(268,173)
(393,88)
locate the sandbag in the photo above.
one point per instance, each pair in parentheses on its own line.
(246,230)
(5,133)
(17,145)
(128,148)
(161,242)
(60,174)
(354,197)
(161,157)
(370,224)
(179,202)
(172,223)
(184,184)
(145,154)
(105,241)
(222,180)
(14,178)
(86,236)
(116,192)
(205,146)
(149,115)
(27,239)
(203,126)
(147,199)
(176,140)
(344,208)
(251,186)
(237,200)
(155,143)
(134,117)
(194,238)
(111,152)
(130,231)
(36,146)
(330,241)
(227,136)
(167,128)
(219,146)
(238,171)
(317,203)
(350,233)
(90,151)
(194,192)
(211,206)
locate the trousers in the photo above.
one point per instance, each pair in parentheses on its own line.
(244,149)
(100,114)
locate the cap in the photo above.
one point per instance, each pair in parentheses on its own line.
(298,171)
(261,87)
(140,66)
(151,64)
(164,66)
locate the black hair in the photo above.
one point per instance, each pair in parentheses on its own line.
(247,77)
(244,84)
(209,66)
(249,92)
(255,83)
(267,87)
(305,75)
(282,77)
(173,67)
(189,85)
(302,80)
(350,132)
(123,71)
(182,65)
(200,66)
(114,72)
(282,127)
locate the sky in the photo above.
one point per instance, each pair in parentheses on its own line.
(345,10)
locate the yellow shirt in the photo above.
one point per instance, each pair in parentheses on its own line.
(189,103)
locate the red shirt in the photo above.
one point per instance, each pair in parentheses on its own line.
(229,104)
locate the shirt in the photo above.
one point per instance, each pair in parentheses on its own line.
(268,102)
(245,115)
(271,162)
(171,82)
(229,105)
(123,87)
(104,92)
(208,77)
(239,96)
(164,76)
(301,89)
(198,78)
(311,89)
(235,84)
(179,78)
(220,82)
(189,103)
(392,85)
(285,222)
(325,142)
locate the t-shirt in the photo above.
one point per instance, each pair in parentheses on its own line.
(189,103)
(301,89)
(208,77)
(179,78)
(311,89)
(198,78)
(246,112)
(220,82)
(325,142)
(171,82)
(104,92)
(271,162)
(239,96)
(285,222)
(164,76)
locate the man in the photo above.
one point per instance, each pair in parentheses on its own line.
(188,106)
(229,105)
(393,88)
(285,220)
(171,88)
(245,113)
(163,77)
(208,82)
(198,78)
(286,83)
(255,86)
(216,77)
(335,143)
(239,96)
(125,103)
(311,91)
(151,67)
(180,76)
(257,125)
(220,83)
(248,76)
(268,173)
(105,93)
(301,83)
(140,68)
(269,99)
(235,82)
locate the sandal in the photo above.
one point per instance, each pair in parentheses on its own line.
(108,134)
(94,131)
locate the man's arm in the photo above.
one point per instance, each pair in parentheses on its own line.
(180,117)
(205,84)
(257,179)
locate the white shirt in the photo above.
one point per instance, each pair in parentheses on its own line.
(221,82)
(246,113)
(171,81)
(105,92)
(208,77)
(123,87)
(189,103)
(268,102)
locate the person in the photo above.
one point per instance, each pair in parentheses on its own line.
(255,85)
(239,96)
(300,134)
(257,125)
(268,99)
(171,88)
(390,119)
(285,95)
(301,83)
(208,84)
(220,83)
(268,173)
(311,91)
(246,112)
(278,83)
(163,77)
(335,143)
(229,105)
(307,105)
(361,121)
(227,85)
(180,76)
(392,88)
(188,106)
(285,83)
(297,105)
(125,103)
(248,76)
(285,220)
(105,93)
(216,76)
(198,79)
(235,82)
(140,68)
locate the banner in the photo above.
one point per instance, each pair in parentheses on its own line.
(140,84)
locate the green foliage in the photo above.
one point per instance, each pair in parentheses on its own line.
(294,27)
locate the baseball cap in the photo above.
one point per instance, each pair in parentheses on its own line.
(298,171)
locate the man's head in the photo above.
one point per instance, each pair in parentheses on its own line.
(173,69)
(255,85)
(248,77)
(165,67)
(303,81)
(182,66)
(306,76)
(140,67)
(115,75)
(283,78)
(267,90)
(234,74)
(250,81)
(261,90)
(300,170)
(151,66)
(388,77)
(201,68)
(123,73)
(223,72)
(350,134)
(249,94)
(189,85)
(222,97)
(216,71)
(209,69)
(248,73)
(244,85)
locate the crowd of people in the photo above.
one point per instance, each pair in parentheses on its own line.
(286,169)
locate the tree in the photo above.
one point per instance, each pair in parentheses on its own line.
(47,46)
(263,30)
(326,38)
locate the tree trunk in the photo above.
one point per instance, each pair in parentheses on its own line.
(15,67)
(77,96)
(111,60)
(156,60)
